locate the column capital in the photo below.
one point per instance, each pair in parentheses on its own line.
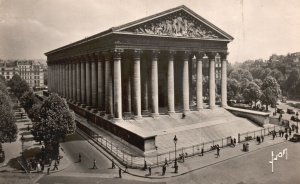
(117,53)
(137,53)
(224,55)
(107,55)
(186,54)
(200,55)
(155,54)
(171,54)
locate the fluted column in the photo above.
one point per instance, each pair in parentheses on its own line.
(127,84)
(70,80)
(82,82)
(224,82)
(185,82)
(136,84)
(101,82)
(117,85)
(78,85)
(59,78)
(199,84)
(88,82)
(94,79)
(212,83)
(154,84)
(108,85)
(171,103)
(67,80)
(144,83)
(74,81)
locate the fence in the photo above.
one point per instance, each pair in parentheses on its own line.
(133,161)
(243,137)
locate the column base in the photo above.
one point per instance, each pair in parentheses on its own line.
(94,110)
(212,107)
(186,111)
(199,108)
(118,119)
(138,117)
(224,106)
(109,116)
(154,115)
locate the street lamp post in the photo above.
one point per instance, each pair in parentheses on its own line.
(297,114)
(175,142)
(22,140)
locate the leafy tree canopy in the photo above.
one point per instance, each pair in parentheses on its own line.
(28,100)
(240,74)
(270,91)
(18,85)
(8,127)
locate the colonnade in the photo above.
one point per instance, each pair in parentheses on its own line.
(95,81)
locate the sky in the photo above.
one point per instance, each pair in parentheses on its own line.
(29,28)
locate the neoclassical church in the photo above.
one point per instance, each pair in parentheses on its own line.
(142,68)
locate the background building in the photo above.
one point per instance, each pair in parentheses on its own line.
(31,71)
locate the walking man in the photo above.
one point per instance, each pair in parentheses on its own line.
(79,157)
(262,138)
(112,164)
(202,151)
(149,170)
(218,152)
(120,172)
(55,165)
(286,136)
(94,164)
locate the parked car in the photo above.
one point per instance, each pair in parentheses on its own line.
(294,118)
(290,111)
(280,111)
(295,138)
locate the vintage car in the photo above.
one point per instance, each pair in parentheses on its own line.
(280,111)
(290,111)
(295,138)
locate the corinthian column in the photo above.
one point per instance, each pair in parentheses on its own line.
(94,83)
(117,85)
(224,82)
(185,82)
(74,81)
(101,79)
(154,84)
(78,85)
(212,82)
(88,81)
(137,84)
(108,85)
(82,82)
(171,104)
(199,81)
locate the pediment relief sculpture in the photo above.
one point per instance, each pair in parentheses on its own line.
(176,26)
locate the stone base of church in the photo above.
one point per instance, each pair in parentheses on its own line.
(144,141)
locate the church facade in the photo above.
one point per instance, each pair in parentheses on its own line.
(143,67)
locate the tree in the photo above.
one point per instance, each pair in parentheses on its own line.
(8,127)
(233,88)
(56,121)
(240,74)
(28,100)
(2,79)
(252,93)
(270,92)
(18,85)
(292,82)
(3,88)
(34,112)
(258,82)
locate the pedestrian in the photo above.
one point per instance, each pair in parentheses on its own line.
(94,164)
(48,171)
(273,135)
(112,164)
(262,138)
(145,165)
(202,151)
(286,136)
(183,115)
(28,128)
(231,142)
(149,170)
(126,168)
(218,152)
(120,172)
(234,141)
(164,168)
(55,166)
(79,157)
(38,168)
(166,162)
(290,131)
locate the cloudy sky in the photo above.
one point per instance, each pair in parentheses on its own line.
(29,28)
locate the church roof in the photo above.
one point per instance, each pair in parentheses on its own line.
(178,22)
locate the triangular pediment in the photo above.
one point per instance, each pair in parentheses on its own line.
(177,22)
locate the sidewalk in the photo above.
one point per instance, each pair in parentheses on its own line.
(194,163)
(14,150)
